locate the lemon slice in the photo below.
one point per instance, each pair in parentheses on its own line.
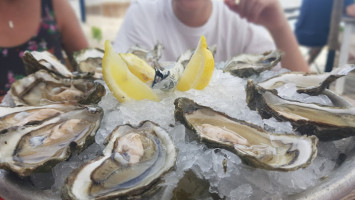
(139,67)
(122,83)
(199,70)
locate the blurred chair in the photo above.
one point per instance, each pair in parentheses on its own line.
(313,26)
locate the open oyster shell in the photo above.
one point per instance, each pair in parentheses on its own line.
(312,84)
(167,79)
(36,60)
(44,60)
(326,122)
(134,160)
(246,65)
(89,60)
(36,138)
(43,88)
(251,143)
(150,56)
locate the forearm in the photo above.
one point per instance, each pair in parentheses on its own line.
(286,41)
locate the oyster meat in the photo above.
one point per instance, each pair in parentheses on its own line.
(36,138)
(251,143)
(246,65)
(43,88)
(134,160)
(89,60)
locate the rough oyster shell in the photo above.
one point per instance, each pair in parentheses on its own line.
(43,88)
(44,60)
(312,84)
(251,143)
(90,61)
(134,160)
(326,122)
(36,60)
(36,138)
(246,65)
(150,56)
(168,79)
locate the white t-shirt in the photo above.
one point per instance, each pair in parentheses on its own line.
(150,21)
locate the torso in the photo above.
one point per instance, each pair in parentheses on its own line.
(26,18)
(155,18)
(34,28)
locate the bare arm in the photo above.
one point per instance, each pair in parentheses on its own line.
(269,14)
(73,38)
(350,10)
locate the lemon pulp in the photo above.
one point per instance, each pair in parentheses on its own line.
(123,84)
(138,67)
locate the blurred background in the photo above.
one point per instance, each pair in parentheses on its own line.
(101,20)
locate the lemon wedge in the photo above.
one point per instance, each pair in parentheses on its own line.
(138,67)
(123,84)
(199,70)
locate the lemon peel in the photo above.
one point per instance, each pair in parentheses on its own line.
(199,70)
(121,81)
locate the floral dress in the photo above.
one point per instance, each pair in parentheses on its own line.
(47,38)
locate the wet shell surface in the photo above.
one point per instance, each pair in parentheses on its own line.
(251,143)
(43,88)
(36,138)
(133,162)
(246,65)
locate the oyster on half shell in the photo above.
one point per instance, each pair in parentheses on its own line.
(43,88)
(36,138)
(246,65)
(133,162)
(326,122)
(36,60)
(89,60)
(251,143)
(312,84)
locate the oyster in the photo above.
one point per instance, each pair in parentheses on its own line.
(246,65)
(326,122)
(251,143)
(168,79)
(36,60)
(134,160)
(44,87)
(36,138)
(312,84)
(150,56)
(89,60)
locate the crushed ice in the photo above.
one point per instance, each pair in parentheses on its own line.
(227,176)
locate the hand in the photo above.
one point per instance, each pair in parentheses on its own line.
(267,13)
(350,10)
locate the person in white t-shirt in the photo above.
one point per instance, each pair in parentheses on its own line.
(178,25)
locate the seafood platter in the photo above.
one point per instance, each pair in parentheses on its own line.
(128,126)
